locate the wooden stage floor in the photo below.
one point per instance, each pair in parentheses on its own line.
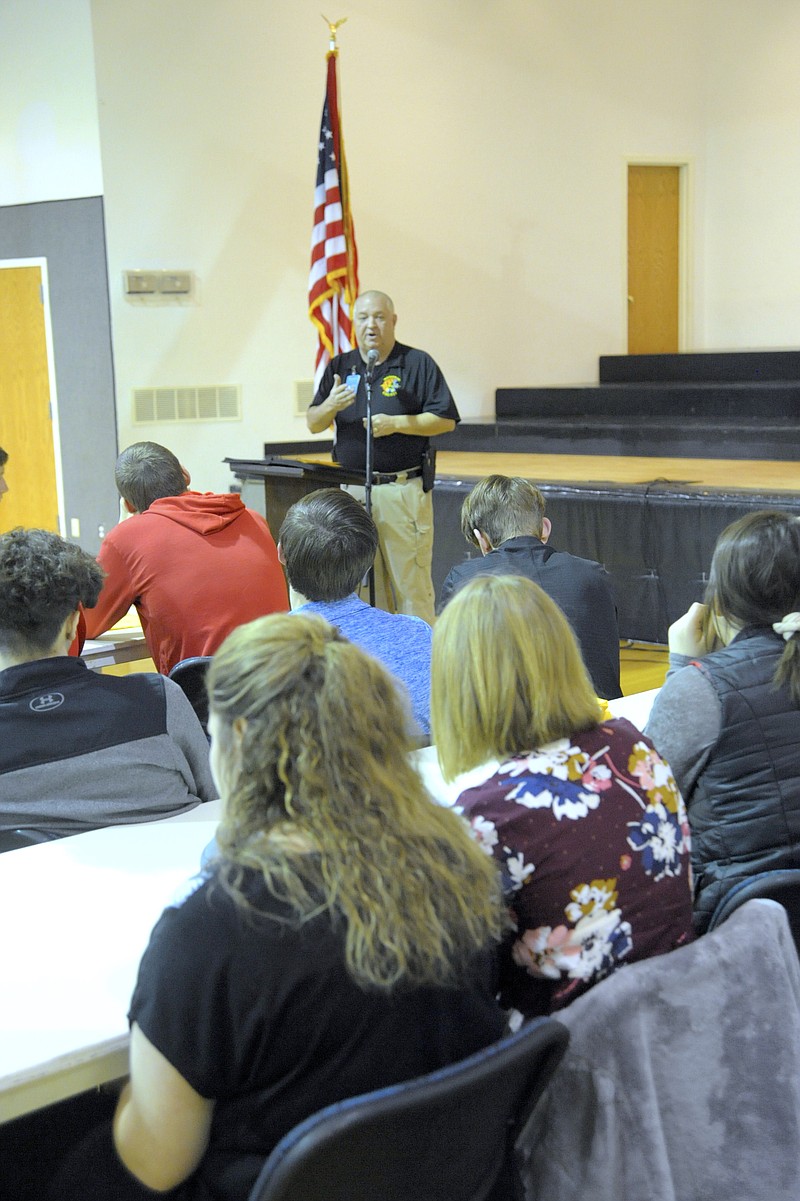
(652,521)
(729,475)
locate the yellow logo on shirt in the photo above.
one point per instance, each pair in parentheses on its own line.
(390,385)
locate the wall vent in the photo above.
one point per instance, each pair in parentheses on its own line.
(213,402)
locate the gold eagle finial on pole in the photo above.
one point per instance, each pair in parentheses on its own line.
(333,26)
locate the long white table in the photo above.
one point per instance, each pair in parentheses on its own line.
(115,647)
(123,643)
(76,917)
(635,707)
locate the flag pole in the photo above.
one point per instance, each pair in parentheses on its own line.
(333,49)
(333,275)
(332,27)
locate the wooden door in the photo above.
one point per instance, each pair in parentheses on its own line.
(26,425)
(653,259)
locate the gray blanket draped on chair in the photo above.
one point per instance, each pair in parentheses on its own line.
(682,1078)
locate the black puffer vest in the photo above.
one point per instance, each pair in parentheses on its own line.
(744,812)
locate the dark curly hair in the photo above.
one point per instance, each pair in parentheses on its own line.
(3,457)
(43,579)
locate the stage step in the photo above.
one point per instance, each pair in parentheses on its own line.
(773,403)
(755,366)
(711,420)
(646,436)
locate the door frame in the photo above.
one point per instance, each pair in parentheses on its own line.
(685,165)
(41,263)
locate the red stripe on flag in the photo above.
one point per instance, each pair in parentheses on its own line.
(333,279)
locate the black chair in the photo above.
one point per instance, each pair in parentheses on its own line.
(782,884)
(447,1136)
(191,675)
(14,840)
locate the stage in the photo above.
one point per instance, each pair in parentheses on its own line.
(738,475)
(653,522)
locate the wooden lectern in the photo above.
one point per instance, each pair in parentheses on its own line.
(286,480)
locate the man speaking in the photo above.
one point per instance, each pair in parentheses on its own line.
(411,403)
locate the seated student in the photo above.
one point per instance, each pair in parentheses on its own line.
(327,544)
(195,564)
(582,815)
(343,941)
(80,750)
(728,719)
(504,517)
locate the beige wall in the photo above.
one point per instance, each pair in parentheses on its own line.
(49,138)
(487,146)
(750,236)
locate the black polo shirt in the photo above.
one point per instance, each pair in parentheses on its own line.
(408,382)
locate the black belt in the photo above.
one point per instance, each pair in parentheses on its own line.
(392,477)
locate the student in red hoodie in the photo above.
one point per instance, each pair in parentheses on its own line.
(195,564)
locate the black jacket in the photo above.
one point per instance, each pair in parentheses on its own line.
(744,811)
(580,587)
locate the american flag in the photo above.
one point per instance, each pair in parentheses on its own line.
(333,281)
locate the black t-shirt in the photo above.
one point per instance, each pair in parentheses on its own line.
(262,1016)
(408,382)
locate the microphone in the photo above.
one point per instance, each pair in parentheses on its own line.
(372,359)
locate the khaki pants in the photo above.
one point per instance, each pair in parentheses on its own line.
(403,514)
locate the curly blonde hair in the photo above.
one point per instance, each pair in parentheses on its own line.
(321,797)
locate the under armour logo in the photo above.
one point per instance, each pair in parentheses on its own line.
(43,704)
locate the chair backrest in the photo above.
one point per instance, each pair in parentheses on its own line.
(681,1081)
(782,885)
(14,840)
(447,1136)
(190,674)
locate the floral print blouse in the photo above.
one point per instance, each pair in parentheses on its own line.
(593,842)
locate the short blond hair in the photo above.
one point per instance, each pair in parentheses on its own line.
(506,674)
(502,507)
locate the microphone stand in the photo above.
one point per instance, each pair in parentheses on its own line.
(368,469)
